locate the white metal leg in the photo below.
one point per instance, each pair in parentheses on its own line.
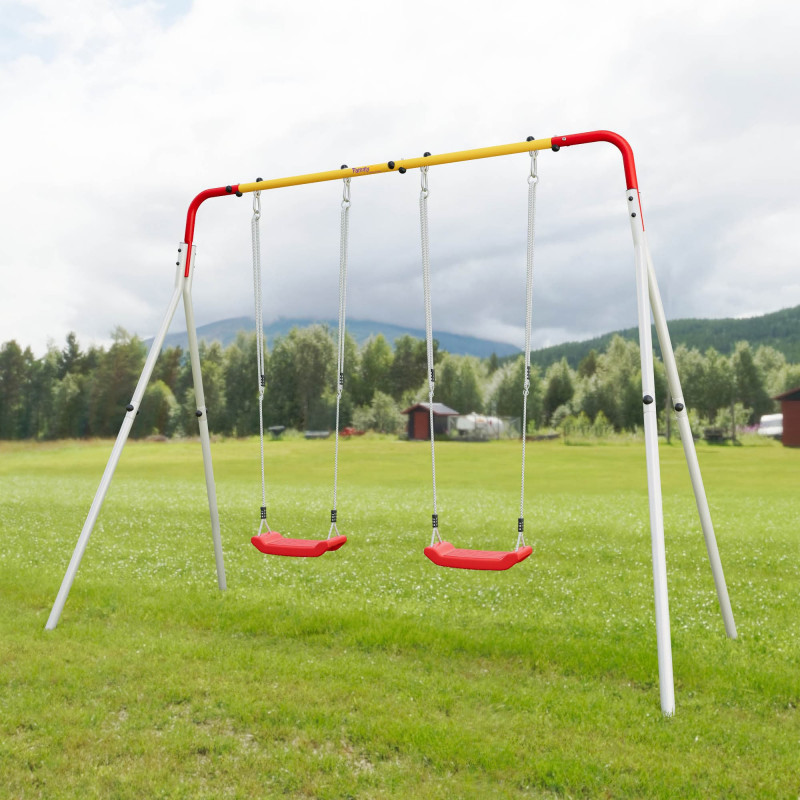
(664,643)
(202,419)
(689,449)
(116,452)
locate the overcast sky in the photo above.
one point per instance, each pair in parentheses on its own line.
(116,114)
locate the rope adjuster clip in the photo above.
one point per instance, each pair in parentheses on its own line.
(534,176)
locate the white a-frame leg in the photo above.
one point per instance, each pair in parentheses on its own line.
(183,287)
(649,299)
(689,451)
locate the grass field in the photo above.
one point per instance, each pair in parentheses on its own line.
(371,673)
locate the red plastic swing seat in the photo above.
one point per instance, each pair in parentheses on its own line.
(445,554)
(273,544)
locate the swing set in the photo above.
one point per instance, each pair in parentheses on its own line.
(439,551)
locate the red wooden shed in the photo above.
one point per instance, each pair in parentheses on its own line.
(790,407)
(419,420)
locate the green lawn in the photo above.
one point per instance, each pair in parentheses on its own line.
(371,673)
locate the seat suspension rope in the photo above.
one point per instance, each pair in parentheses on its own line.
(533,182)
(344,237)
(426,286)
(255,230)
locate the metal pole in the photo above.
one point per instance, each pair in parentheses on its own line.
(116,452)
(689,449)
(202,419)
(664,644)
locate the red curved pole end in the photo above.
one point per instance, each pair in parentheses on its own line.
(604,136)
(191,214)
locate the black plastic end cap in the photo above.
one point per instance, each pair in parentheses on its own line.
(238,194)
(647,399)
(679,406)
(229,189)
(258,180)
(390,165)
(402,170)
(426,154)
(344,166)
(555,148)
(129,407)
(530,139)
(198,413)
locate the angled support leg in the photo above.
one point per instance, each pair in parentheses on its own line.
(687,440)
(116,452)
(202,419)
(663,638)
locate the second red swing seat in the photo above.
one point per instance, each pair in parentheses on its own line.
(445,554)
(273,544)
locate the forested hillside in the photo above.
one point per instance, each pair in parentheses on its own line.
(780,330)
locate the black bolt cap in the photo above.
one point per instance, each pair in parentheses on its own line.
(402,170)
(634,214)
(238,194)
(555,148)
(647,399)
(229,189)
(679,406)
(258,180)
(344,166)
(529,139)
(129,407)
(198,413)
(425,154)
(390,165)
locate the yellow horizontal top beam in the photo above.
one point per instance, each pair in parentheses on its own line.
(394,166)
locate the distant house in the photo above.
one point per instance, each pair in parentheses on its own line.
(790,406)
(419,416)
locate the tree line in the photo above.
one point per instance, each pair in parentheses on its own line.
(75,393)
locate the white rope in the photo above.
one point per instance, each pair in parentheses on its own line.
(344,237)
(426,286)
(533,182)
(255,230)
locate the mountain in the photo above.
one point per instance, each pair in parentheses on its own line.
(225,331)
(780,329)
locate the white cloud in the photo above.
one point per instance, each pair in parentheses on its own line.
(118,113)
